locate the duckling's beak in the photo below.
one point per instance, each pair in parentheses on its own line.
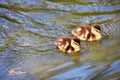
(99,31)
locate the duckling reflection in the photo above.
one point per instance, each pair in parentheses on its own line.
(75,57)
(68,44)
(87,33)
(91,46)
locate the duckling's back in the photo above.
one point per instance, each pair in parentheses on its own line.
(63,42)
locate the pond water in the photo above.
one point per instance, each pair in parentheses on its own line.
(29,28)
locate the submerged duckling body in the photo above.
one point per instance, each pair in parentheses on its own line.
(68,44)
(87,32)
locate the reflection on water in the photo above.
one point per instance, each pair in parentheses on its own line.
(28,30)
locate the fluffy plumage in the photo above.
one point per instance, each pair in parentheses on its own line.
(68,44)
(87,32)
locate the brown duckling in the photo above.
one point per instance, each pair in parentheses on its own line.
(87,32)
(68,44)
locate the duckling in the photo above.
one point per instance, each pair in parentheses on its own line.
(87,32)
(68,44)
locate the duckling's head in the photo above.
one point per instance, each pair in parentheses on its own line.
(96,29)
(75,43)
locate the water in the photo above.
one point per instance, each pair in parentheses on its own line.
(28,30)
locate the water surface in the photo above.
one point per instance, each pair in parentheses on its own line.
(28,30)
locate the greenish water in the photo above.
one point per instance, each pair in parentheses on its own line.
(28,30)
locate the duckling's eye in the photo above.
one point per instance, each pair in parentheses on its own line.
(76,43)
(97,30)
(76,40)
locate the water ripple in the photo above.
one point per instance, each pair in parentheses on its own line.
(28,30)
